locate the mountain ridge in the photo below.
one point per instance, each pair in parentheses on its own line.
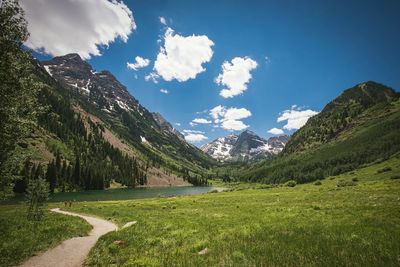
(244,147)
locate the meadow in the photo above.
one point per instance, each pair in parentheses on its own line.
(348,220)
(21,238)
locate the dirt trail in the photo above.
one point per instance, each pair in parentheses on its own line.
(72,252)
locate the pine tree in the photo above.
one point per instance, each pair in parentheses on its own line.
(51,176)
(77,171)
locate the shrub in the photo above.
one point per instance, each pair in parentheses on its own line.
(37,193)
(355,179)
(291,183)
(318,183)
(395,177)
(343,183)
(385,169)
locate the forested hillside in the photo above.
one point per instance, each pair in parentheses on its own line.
(53,130)
(360,126)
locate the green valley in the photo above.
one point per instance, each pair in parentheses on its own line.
(91,176)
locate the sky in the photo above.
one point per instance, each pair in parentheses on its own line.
(217,67)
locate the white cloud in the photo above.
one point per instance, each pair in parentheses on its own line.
(235,76)
(295,117)
(163,21)
(192,124)
(151,77)
(275,131)
(201,121)
(138,64)
(195,137)
(177,123)
(59,27)
(164,91)
(233,125)
(230,118)
(181,57)
(193,131)
(236,113)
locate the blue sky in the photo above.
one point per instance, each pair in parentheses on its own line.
(315,50)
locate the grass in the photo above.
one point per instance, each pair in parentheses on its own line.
(305,225)
(21,238)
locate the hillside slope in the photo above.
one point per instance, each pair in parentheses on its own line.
(92,131)
(362,125)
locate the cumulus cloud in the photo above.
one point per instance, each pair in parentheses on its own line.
(275,131)
(138,64)
(193,131)
(182,57)
(195,137)
(177,123)
(201,121)
(163,21)
(230,118)
(164,91)
(235,76)
(295,117)
(151,77)
(59,27)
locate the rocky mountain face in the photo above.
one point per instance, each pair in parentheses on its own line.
(126,124)
(166,126)
(246,146)
(100,88)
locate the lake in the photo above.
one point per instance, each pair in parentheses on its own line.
(126,193)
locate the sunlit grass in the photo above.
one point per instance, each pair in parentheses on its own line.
(305,225)
(21,238)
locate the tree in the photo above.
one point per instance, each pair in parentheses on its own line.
(51,176)
(18,89)
(36,193)
(77,171)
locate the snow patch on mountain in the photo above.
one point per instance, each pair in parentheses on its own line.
(246,146)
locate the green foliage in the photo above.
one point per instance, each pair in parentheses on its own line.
(18,89)
(37,193)
(291,183)
(344,183)
(386,169)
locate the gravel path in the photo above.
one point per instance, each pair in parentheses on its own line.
(72,252)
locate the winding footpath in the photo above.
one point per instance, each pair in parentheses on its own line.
(72,252)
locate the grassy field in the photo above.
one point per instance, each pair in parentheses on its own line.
(354,224)
(20,238)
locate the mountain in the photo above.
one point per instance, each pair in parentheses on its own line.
(166,126)
(359,127)
(93,132)
(244,147)
(339,115)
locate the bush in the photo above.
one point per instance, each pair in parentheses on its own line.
(355,179)
(291,183)
(318,183)
(386,169)
(37,193)
(343,183)
(395,177)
